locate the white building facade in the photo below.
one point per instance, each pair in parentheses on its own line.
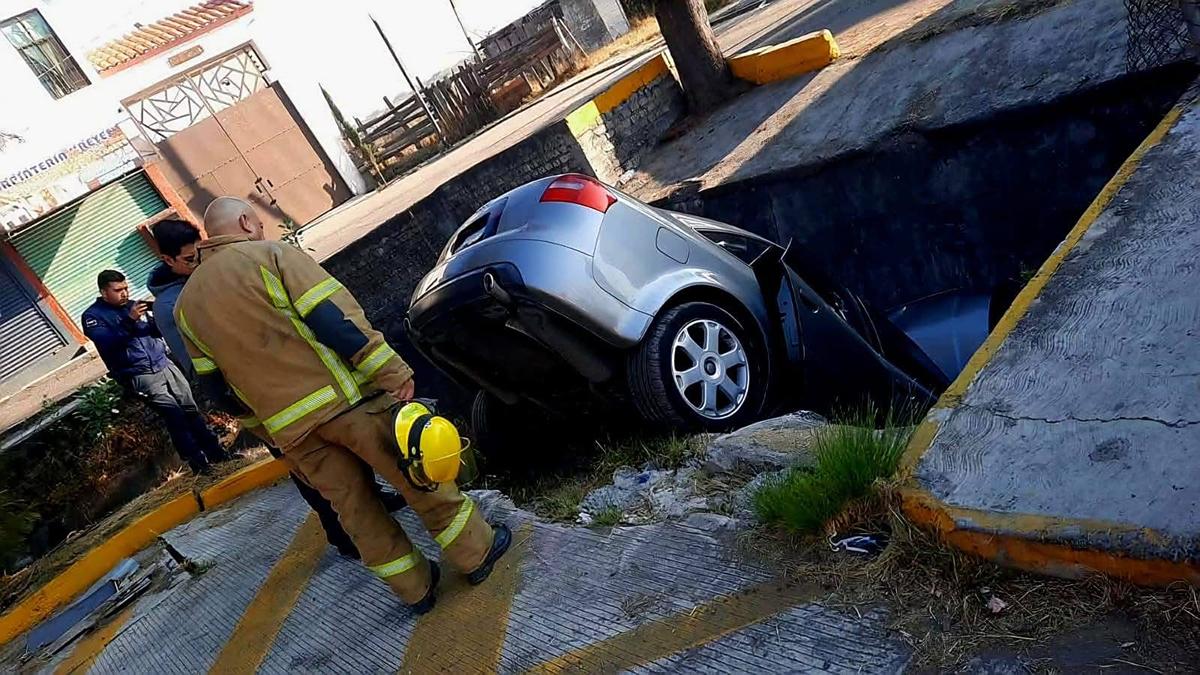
(118,114)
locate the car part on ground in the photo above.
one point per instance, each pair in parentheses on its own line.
(566,293)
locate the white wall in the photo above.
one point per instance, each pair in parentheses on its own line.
(306,45)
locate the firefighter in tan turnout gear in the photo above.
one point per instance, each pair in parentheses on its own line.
(282,344)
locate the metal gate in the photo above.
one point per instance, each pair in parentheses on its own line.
(26,333)
(222,129)
(69,247)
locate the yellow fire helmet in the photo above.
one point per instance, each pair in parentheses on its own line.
(430,447)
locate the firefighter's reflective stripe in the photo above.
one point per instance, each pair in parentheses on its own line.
(374,361)
(249,421)
(397,566)
(298,410)
(314,296)
(279,298)
(187,330)
(456,526)
(275,290)
(204,365)
(332,361)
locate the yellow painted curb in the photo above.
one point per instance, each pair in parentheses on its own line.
(1029,553)
(247,480)
(1042,555)
(588,115)
(787,59)
(136,536)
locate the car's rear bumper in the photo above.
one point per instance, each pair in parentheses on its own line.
(539,272)
(523,337)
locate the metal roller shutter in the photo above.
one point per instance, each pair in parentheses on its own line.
(26,334)
(69,248)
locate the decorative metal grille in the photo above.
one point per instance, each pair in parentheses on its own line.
(198,95)
(1158,34)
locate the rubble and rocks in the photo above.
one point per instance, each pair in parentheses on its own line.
(766,446)
(715,489)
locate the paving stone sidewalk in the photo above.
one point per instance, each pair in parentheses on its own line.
(665,597)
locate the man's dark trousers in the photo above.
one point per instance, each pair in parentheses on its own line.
(168,393)
(329,518)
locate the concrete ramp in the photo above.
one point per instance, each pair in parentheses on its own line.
(1071,443)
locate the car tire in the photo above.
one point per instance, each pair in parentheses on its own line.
(664,368)
(493,425)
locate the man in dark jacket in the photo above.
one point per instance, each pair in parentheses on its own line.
(133,350)
(176,241)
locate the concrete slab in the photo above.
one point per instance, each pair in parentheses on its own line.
(1077,424)
(657,598)
(905,66)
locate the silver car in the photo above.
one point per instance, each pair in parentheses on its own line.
(565,292)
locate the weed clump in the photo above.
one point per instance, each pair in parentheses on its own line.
(849,459)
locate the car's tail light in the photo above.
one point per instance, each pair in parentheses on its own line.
(579,189)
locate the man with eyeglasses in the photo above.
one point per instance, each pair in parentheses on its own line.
(177,245)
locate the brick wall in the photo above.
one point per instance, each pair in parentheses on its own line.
(623,135)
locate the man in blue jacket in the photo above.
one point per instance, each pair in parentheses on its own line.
(133,350)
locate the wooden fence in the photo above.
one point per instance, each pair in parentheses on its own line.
(544,58)
(461,102)
(473,95)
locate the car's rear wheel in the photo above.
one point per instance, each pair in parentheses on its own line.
(698,369)
(507,435)
(495,425)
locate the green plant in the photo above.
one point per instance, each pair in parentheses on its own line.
(667,451)
(607,517)
(98,408)
(562,502)
(850,458)
(291,233)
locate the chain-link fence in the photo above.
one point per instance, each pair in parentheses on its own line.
(1159,33)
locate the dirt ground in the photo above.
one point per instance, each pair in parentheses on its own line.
(961,614)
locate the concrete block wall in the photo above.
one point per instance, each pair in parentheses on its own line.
(617,128)
(595,23)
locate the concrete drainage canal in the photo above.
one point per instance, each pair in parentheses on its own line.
(977,206)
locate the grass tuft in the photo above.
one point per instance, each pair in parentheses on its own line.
(850,458)
(607,517)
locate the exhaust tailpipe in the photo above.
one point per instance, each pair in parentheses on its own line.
(492,287)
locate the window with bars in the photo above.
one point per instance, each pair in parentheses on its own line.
(44,53)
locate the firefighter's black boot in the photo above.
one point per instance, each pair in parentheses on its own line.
(500,543)
(426,603)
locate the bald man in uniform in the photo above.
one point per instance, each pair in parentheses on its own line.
(283,345)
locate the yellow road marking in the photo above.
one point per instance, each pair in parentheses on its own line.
(90,648)
(699,626)
(256,631)
(465,632)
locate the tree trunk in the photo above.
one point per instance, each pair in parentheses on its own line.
(703,72)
